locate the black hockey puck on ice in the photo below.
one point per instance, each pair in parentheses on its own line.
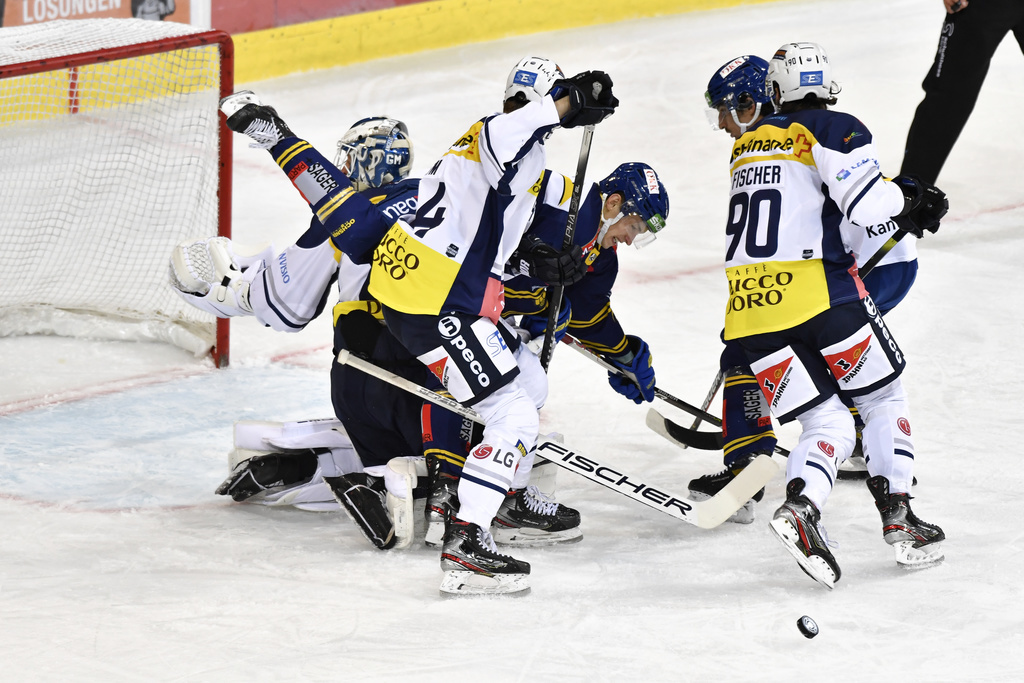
(807,626)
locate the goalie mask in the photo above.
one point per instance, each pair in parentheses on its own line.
(738,86)
(643,194)
(374,152)
(531,79)
(799,70)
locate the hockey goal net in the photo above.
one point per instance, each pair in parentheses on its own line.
(111,152)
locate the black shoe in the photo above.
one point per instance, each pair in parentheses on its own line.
(709,485)
(442,501)
(472,564)
(797,524)
(529,518)
(916,542)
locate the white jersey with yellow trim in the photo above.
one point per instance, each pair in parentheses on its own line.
(474,206)
(795,178)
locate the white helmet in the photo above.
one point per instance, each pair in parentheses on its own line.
(531,79)
(799,70)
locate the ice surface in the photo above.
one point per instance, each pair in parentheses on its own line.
(117,562)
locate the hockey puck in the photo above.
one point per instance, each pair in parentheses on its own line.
(807,626)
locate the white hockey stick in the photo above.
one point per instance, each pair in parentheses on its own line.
(705,514)
(716,384)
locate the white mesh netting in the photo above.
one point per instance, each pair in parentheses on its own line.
(105,167)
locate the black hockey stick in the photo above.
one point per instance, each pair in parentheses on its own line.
(716,384)
(705,514)
(555,293)
(691,438)
(658,393)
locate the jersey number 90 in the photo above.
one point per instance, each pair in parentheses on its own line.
(745,216)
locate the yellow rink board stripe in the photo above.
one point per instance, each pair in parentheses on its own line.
(429,26)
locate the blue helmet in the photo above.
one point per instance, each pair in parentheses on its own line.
(642,193)
(375,151)
(738,85)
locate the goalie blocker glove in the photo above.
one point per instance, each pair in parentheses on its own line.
(637,363)
(924,207)
(590,98)
(536,258)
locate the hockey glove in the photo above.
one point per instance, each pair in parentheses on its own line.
(536,258)
(640,365)
(924,207)
(590,98)
(536,325)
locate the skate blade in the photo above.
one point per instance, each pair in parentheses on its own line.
(435,534)
(909,557)
(534,538)
(814,566)
(232,103)
(459,583)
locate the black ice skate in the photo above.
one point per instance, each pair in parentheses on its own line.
(365,506)
(529,518)
(797,524)
(267,473)
(916,543)
(703,488)
(246,115)
(441,501)
(472,565)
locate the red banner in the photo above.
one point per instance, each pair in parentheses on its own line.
(22,12)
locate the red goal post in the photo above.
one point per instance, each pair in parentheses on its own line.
(111,152)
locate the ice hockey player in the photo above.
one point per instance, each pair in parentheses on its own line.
(737,99)
(799,172)
(288,463)
(438,279)
(629,206)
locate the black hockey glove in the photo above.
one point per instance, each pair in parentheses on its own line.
(590,98)
(536,258)
(924,207)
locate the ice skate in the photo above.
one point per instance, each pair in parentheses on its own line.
(797,524)
(441,501)
(527,518)
(472,565)
(917,544)
(246,115)
(708,485)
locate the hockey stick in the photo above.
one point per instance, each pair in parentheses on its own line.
(658,393)
(716,384)
(705,514)
(692,438)
(555,293)
(880,254)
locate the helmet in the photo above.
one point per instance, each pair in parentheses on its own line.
(375,151)
(642,193)
(799,70)
(738,85)
(531,79)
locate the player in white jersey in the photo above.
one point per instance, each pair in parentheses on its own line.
(801,314)
(438,278)
(737,99)
(289,464)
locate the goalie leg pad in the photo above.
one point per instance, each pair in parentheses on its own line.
(400,477)
(366,507)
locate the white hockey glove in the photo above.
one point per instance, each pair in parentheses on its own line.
(206,274)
